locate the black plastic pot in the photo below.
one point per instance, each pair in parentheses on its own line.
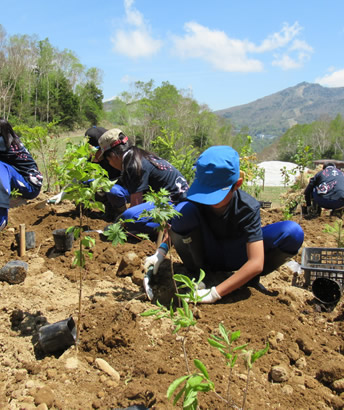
(326,290)
(30,239)
(58,336)
(63,240)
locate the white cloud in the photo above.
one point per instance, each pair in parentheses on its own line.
(301,45)
(137,42)
(234,55)
(280,39)
(295,56)
(285,62)
(335,79)
(215,47)
(133,16)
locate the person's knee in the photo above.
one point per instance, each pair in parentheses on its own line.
(294,237)
(188,220)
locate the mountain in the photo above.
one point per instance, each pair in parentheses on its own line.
(274,114)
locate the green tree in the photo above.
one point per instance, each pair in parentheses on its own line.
(91,103)
(67,103)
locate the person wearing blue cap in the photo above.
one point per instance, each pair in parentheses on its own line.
(220,228)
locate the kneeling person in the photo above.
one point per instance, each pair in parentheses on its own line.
(220,228)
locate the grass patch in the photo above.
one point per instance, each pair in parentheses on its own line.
(272,194)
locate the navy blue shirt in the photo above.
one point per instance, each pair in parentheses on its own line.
(328,183)
(21,160)
(156,174)
(241,220)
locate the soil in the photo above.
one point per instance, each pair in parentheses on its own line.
(304,366)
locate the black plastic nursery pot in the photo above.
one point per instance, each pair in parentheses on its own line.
(58,336)
(63,240)
(30,239)
(326,290)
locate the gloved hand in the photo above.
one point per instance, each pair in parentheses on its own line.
(56,199)
(208,295)
(156,259)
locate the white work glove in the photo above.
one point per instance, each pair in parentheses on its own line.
(57,198)
(156,259)
(208,295)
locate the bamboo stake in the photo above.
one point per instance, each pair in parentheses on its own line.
(22,242)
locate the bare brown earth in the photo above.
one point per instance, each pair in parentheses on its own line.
(306,340)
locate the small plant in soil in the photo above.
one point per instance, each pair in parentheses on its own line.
(337,231)
(82,179)
(291,201)
(187,387)
(163,210)
(116,234)
(161,214)
(224,344)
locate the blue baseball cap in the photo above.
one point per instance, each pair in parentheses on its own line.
(217,169)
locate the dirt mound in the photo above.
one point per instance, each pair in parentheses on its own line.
(304,367)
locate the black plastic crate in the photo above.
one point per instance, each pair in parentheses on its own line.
(323,263)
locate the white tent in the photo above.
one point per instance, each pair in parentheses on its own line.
(273,174)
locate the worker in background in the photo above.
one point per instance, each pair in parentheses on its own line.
(325,190)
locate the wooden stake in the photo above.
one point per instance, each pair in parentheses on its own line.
(22,242)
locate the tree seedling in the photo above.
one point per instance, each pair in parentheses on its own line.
(191,385)
(187,387)
(116,234)
(163,210)
(223,344)
(250,356)
(83,179)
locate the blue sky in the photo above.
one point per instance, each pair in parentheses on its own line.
(225,52)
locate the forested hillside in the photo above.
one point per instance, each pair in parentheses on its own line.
(276,113)
(41,84)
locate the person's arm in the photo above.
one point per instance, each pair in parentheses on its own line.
(136,199)
(250,269)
